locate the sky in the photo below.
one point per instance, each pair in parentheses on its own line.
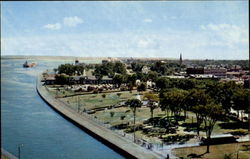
(197,29)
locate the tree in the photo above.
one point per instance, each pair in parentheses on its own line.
(119,68)
(131,79)
(222,93)
(98,73)
(210,113)
(152,99)
(62,79)
(118,79)
(133,104)
(152,75)
(68,69)
(162,83)
(240,101)
(174,100)
(195,98)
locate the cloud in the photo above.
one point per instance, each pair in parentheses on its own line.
(192,44)
(226,34)
(55,26)
(147,20)
(72,21)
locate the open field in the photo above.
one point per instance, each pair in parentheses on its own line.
(216,151)
(91,101)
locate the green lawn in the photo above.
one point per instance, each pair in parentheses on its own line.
(91,101)
(216,151)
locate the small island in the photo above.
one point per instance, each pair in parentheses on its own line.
(170,108)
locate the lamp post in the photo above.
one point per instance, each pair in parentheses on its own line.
(19,150)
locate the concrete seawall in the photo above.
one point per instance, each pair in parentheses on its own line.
(118,143)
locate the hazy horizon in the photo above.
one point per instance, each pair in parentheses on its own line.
(104,57)
(154,29)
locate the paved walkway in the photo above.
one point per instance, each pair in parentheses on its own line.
(103,133)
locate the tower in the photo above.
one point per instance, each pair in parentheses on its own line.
(180,61)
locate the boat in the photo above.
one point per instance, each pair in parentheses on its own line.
(26,64)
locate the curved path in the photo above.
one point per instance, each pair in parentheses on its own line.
(106,136)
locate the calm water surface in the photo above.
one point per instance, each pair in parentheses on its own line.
(26,119)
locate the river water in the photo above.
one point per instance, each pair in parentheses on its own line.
(26,119)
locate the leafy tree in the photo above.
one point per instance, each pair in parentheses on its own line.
(152,75)
(118,79)
(62,79)
(210,113)
(195,98)
(68,69)
(240,100)
(131,79)
(133,104)
(222,93)
(152,99)
(137,67)
(174,99)
(162,83)
(119,68)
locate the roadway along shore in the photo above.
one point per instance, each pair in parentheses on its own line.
(120,144)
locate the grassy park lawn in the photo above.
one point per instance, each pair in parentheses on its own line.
(91,101)
(61,93)
(216,151)
(113,116)
(3,156)
(142,114)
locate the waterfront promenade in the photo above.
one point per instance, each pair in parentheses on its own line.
(106,136)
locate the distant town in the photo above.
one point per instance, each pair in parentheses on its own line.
(162,105)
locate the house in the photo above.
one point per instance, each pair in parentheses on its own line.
(50,80)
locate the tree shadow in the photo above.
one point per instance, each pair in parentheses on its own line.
(191,127)
(194,155)
(234,125)
(181,139)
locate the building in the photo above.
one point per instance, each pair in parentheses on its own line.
(50,80)
(216,71)
(195,70)
(209,70)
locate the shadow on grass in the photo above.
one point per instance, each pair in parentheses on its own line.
(191,127)
(194,155)
(234,125)
(181,139)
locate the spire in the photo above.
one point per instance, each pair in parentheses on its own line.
(180,59)
(180,63)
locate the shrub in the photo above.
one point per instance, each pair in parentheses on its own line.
(112,114)
(122,117)
(103,95)
(118,94)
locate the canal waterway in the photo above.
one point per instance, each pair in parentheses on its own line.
(26,119)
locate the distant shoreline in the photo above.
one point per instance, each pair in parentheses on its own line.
(3,57)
